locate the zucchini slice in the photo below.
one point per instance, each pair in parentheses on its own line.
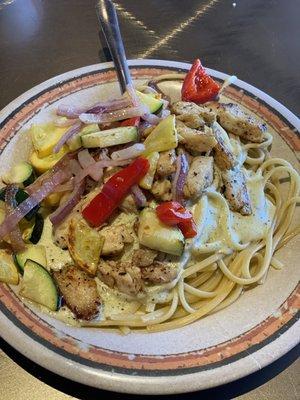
(85,245)
(20,173)
(110,137)
(20,197)
(34,253)
(37,229)
(38,285)
(75,142)
(151,102)
(8,270)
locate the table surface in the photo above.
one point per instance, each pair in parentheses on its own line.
(256,40)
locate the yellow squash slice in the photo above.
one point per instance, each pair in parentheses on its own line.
(85,245)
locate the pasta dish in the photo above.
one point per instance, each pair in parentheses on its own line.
(143,213)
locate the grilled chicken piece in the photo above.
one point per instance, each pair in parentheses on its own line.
(166,163)
(200,176)
(159,272)
(193,121)
(79,291)
(236,191)
(161,190)
(185,107)
(115,239)
(195,140)
(232,118)
(223,155)
(121,275)
(143,257)
(128,205)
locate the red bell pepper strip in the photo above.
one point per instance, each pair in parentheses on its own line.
(198,86)
(173,213)
(134,121)
(188,228)
(113,192)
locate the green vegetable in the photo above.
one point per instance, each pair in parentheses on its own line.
(163,137)
(110,137)
(37,229)
(157,236)
(20,173)
(20,197)
(38,285)
(34,253)
(150,101)
(75,142)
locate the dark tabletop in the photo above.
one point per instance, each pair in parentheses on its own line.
(257,40)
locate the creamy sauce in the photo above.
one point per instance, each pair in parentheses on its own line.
(56,257)
(114,302)
(243,229)
(239,153)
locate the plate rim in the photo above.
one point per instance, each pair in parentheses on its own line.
(145,384)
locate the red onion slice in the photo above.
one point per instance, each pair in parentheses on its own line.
(111,105)
(65,187)
(113,116)
(138,195)
(151,118)
(62,164)
(15,235)
(132,95)
(165,113)
(75,167)
(165,104)
(182,168)
(73,130)
(32,201)
(130,152)
(99,165)
(86,161)
(64,210)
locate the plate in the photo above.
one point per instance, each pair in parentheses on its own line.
(250,334)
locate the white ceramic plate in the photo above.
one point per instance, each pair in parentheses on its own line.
(253,332)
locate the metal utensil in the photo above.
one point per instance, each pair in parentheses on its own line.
(108,20)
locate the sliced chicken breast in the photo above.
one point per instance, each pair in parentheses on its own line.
(196,140)
(200,176)
(232,118)
(143,257)
(236,191)
(166,163)
(186,107)
(223,155)
(123,276)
